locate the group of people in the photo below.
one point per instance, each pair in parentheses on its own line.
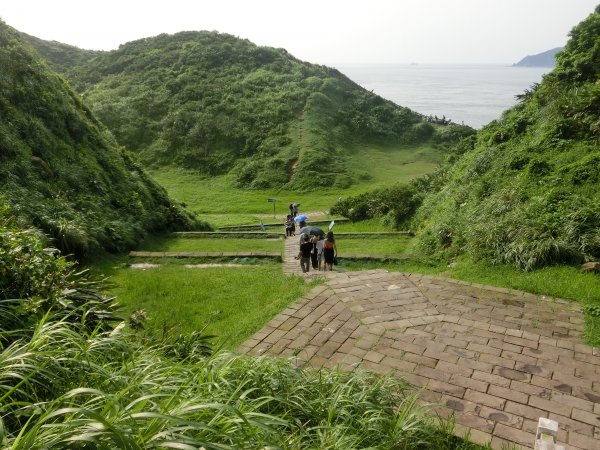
(290,221)
(317,252)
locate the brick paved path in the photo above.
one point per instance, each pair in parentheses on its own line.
(291,247)
(497,360)
(291,266)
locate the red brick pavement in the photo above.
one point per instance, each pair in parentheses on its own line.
(496,359)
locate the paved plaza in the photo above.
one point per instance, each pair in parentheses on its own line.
(495,359)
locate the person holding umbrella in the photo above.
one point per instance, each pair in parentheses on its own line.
(311,230)
(301,219)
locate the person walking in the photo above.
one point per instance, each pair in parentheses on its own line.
(314,254)
(290,226)
(304,254)
(319,246)
(329,251)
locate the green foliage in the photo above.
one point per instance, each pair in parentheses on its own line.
(61,57)
(580,60)
(62,172)
(592,310)
(525,191)
(28,269)
(397,203)
(35,282)
(217,104)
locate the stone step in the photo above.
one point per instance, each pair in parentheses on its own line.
(138,254)
(229,234)
(280,224)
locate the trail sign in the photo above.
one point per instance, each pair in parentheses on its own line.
(272,200)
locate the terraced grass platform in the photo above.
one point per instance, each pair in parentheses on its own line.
(138,254)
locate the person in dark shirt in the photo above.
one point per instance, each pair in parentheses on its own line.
(329,251)
(306,248)
(290,226)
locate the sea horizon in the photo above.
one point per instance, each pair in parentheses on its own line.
(473,94)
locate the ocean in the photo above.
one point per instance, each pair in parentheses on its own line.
(470,94)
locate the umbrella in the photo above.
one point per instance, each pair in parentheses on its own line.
(301,218)
(311,230)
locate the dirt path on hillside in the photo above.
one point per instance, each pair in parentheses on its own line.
(300,145)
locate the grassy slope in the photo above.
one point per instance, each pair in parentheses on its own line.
(212,103)
(59,168)
(527,191)
(220,203)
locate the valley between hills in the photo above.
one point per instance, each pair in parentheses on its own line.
(460,254)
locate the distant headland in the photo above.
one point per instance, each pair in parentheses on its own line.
(544,59)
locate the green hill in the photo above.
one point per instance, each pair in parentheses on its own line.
(61,171)
(60,57)
(216,103)
(525,190)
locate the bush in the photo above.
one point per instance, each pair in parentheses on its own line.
(36,281)
(28,269)
(399,202)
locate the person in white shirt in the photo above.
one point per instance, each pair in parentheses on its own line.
(320,252)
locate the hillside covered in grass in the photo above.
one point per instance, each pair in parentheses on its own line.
(525,190)
(215,103)
(61,171)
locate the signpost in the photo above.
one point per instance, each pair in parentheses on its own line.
(272,200)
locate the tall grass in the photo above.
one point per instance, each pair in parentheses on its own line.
(65,389)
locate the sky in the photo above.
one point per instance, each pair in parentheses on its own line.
(326,32)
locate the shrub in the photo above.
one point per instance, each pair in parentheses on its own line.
(398,202)
(35,280)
